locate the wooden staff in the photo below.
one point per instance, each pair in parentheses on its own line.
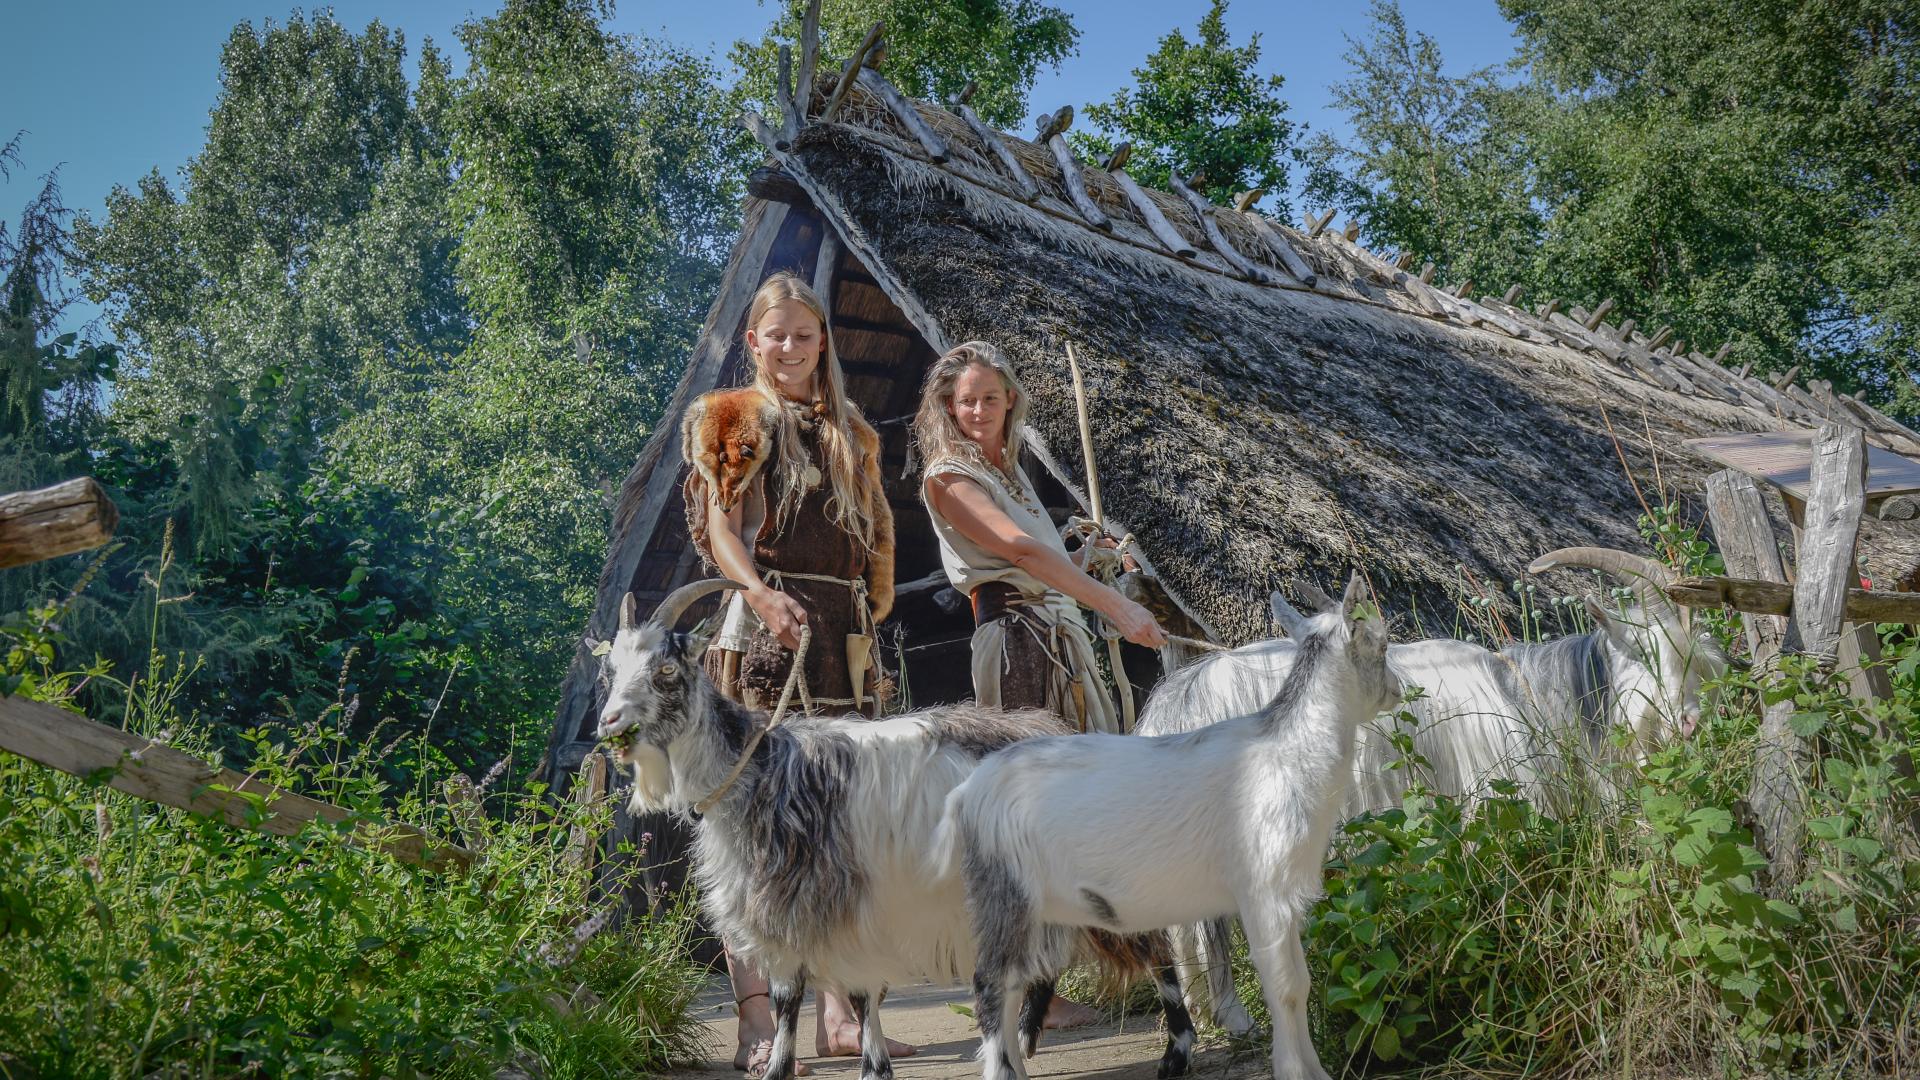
(1120,682)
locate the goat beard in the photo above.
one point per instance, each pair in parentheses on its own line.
(652,777)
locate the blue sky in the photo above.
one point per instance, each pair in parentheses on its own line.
(109,89)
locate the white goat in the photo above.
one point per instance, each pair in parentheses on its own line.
(1518,713)
(1133,834)
(812,862)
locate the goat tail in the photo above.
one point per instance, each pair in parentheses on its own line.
(943,849)
(1120,960)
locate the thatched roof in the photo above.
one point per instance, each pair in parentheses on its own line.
(1249,433)
(1251,427)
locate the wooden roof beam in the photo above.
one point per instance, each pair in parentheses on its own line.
(1029,191)
(1053,127)
(1318,225)
(1203,210)
(1599,315)
(904,111)
(1162,229)
(848,74)
(1289,258)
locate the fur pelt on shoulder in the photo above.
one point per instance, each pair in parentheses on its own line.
(727,437)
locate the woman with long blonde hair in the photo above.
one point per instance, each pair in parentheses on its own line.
(997,544)
(1031,649)
(785,497)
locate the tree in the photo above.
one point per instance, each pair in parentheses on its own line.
(934,48)
(1201,107)
(1437,165)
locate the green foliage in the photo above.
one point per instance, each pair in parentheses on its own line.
(1201,107)
(934,48)
(1636,929)
(1436,164)
(1753,184)
(138,940)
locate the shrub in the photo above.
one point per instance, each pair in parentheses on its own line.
(138,940)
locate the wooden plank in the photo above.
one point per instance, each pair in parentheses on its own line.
(1157,222)
(1289,258)
(904,111)
(158,773)
(1744,534)
(37,525)
(1786,459)
(1203,210)
(1765,597)
(990,138)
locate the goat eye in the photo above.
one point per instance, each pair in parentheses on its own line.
(665,676)
(746,452)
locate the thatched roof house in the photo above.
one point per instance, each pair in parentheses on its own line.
(1269,401)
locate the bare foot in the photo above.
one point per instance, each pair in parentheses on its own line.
(753,1059)
(1068,1014)
(844,1041)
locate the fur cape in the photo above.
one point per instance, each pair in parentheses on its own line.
(728,436)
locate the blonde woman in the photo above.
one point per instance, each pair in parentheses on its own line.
(785,497)
(1031,649)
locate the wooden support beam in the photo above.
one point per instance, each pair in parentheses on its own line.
(1289,258)
(1547,309)
(1118,159)
(1773,598)
(1157,223)
(1246,199)
(1512,298)
(1057,122)
(1426,274)
(54,521)
(990,138)
(1461,290)
(770,183)
(1404,261)
(1203,210)
(847,75)
(1744,368)
(1316,226)
(158,773)
(1352,231)
(1070,175)
(824,265)
(1786,380)
(1664,335)
(1625,332)
(1744,534)
(1720,356)
(904,111)
(809,61)
(783,97)
(1599,314)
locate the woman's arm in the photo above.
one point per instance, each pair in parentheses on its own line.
(967,507)
(782,613)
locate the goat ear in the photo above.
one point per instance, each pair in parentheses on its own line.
(1598,614)
(1316,599)
(1356,592)
(597,647)
(629,612)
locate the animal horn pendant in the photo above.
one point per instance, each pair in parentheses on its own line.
(679,600)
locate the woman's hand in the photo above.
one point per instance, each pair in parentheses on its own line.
(782,613)
(1137,624)
(1127,562)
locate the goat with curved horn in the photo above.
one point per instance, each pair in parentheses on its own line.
(1648,579)
(678,601)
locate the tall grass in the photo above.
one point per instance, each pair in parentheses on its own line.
(137,940)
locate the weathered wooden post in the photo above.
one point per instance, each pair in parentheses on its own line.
(1835,501)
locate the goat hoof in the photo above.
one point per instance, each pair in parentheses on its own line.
(1172,1065)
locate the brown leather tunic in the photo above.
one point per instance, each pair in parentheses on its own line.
(807,541)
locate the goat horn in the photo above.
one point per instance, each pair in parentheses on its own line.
(1647,578)
(627,607)
(679,600)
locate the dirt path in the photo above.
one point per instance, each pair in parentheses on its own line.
(1128,1049)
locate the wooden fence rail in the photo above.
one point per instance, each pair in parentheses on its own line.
(76,516)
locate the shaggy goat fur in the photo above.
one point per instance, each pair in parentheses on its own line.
(1522,713)
(813,863)
(1133,834)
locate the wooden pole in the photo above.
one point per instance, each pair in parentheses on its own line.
(1745,536)
(1029,190)
(54,521)
(854,63)
(783,97)
(1289,258)
(1162,229)
(1053,127)
(1203,210)
(158,773)
(905,112)
(1599,314)
(1122,685)
(809,61)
